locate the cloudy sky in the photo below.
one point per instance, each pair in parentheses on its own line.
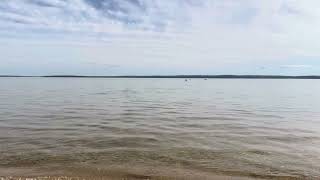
(148,37)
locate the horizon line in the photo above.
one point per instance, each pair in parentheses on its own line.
(225,76)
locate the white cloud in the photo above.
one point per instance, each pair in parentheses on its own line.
(297,66)
(199,34)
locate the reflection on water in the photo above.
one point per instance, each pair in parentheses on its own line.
(153,128)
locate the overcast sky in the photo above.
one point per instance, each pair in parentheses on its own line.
(148,37)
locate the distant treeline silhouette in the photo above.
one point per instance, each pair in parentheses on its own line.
(181,76)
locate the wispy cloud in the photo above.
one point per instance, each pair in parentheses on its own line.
(202,35)
(298,66)
(95,15)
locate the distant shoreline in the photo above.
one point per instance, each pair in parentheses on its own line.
(181,76)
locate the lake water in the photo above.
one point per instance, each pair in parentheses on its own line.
(159,128)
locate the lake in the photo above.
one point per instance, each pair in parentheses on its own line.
(159,128)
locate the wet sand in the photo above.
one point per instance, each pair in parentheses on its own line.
(115,174)
(125,173)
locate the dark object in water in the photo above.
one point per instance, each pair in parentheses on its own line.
(186,80)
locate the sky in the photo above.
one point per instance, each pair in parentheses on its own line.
(159,37)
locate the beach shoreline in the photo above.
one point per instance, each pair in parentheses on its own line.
(125,173)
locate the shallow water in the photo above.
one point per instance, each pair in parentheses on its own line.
(151,128)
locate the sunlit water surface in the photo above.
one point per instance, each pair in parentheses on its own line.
(151,128)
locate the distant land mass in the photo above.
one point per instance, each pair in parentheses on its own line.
(181,76)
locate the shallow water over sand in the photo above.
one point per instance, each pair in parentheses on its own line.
(159,128)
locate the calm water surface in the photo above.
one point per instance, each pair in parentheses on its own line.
(151,128)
